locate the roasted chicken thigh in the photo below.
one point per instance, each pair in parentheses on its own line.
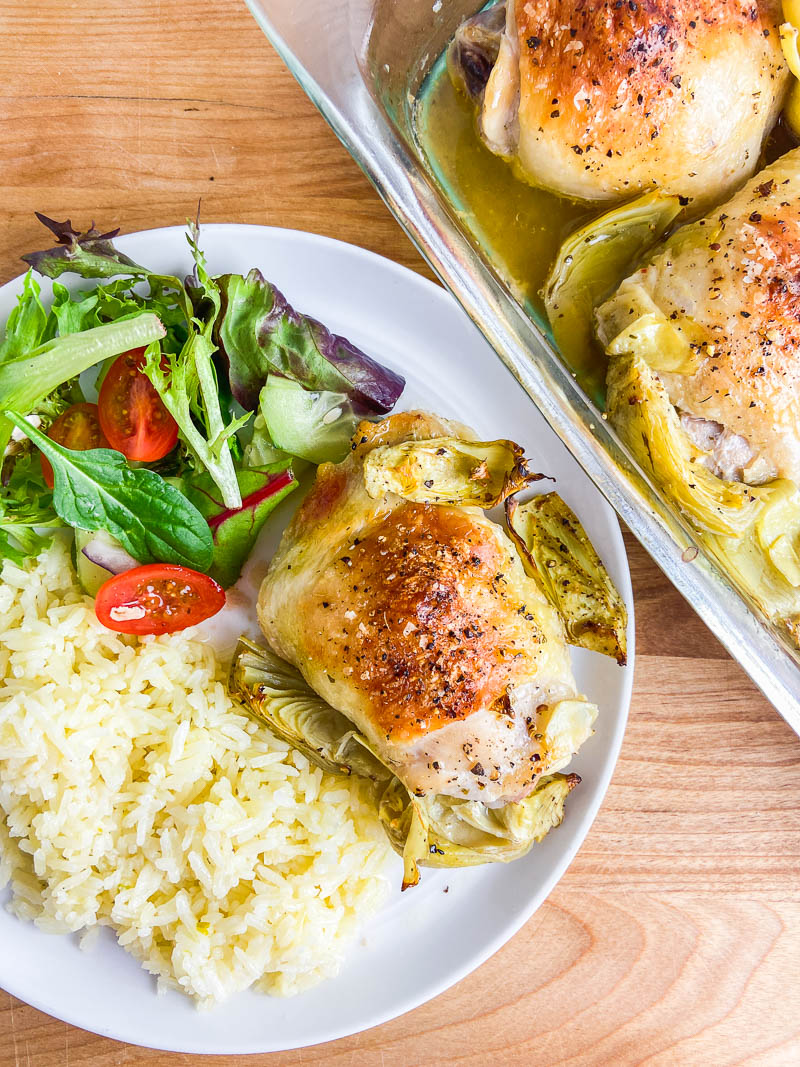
(416,620)
(724,296)
(600,99)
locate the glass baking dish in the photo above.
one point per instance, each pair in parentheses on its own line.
(363,62)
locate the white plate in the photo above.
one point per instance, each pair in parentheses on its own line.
(427,939)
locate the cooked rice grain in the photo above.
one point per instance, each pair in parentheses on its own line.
(135,794)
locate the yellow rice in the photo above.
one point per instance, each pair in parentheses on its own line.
(134,794)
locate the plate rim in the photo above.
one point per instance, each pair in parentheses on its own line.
(556,872)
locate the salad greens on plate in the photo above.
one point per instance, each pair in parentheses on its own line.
(160,417)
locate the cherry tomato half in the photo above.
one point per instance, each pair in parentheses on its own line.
(77,428)
(158,598)
(132,414)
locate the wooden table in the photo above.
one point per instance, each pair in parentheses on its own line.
(675,936)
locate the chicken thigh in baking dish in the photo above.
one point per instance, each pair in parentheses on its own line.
(723,295)
(704,381)
(600,99)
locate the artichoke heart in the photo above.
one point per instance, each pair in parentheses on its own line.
(641,411)
(778,529)
(557,552)
(444,470)
(633,322)
(278,695)
(441,831)
(593,260)
(762,574)
(432,830)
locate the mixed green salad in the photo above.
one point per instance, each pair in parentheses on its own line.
(160,419)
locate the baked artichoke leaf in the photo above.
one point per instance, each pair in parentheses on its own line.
(778,528)
(789,34)
(757,573)
(441,831)
(791,108)
(566,724)
(640,410)
(790,42)
(557,552)
(631,321)
(276,693)
(445,470)
(404,821)
(594,259)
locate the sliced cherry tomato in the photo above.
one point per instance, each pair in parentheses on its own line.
(77,428)
(132,414)
(158,598)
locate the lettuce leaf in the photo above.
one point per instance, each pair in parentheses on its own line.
(26,325)
(187,383)
(259,333)
(29,378)
(26,508)
(90,254)
(314,425)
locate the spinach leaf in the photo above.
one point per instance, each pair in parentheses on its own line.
(97,490)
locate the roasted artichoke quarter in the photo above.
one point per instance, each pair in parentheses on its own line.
(593,260)
(703,382)
(556,550)
(413,644)
(444,470)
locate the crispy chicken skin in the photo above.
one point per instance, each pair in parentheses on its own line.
(418,622)
(732,283)
(599,100)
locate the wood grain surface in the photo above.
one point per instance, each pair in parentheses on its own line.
(674,938)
